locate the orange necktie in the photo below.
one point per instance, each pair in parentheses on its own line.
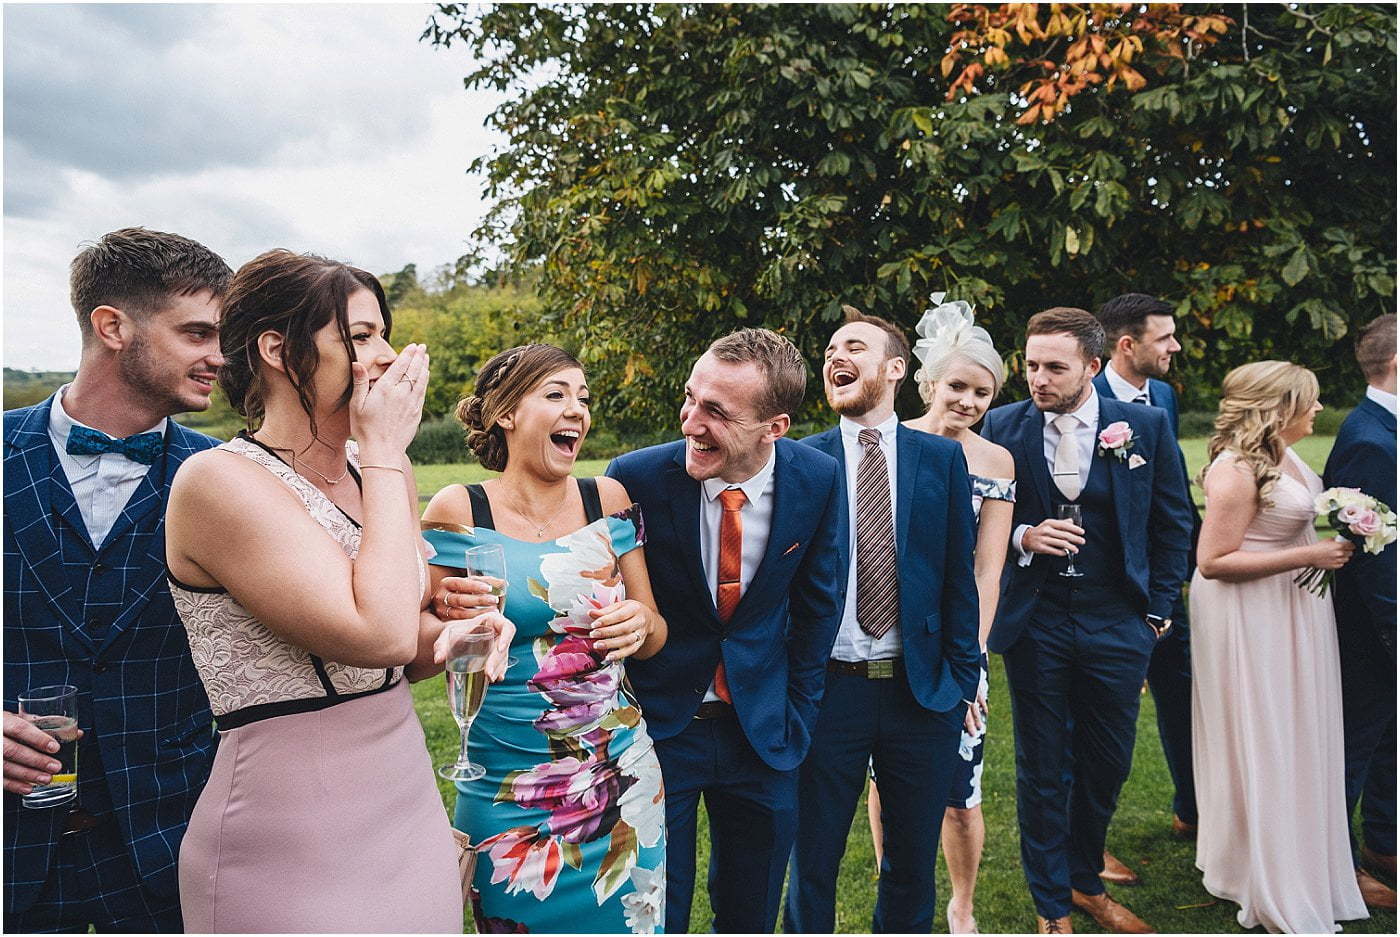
(731,553)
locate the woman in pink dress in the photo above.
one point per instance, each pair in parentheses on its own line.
(295,564)
(1266,700)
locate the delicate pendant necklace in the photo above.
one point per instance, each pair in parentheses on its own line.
(539,528)
(292,452)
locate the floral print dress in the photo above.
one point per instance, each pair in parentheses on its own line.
(569,821)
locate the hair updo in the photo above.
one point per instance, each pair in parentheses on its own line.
(500,386)
(1257,401)
(947,335)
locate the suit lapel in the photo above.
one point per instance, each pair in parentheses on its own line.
(148,552)
(1382,416)
(1033,450)
(37,498)
(1111,411)
(907,482)
(683,492)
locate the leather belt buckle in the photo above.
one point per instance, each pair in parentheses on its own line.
(879,669)
(79,821)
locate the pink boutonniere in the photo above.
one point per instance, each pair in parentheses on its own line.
(1116,439)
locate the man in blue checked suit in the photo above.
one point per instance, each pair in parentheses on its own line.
(905,665)
(1077,641)
(1140,334)
(746,537)
(1364,457)
(87,473)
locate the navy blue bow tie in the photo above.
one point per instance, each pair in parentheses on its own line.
(143,447)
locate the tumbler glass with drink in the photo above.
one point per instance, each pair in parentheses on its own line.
(55,710)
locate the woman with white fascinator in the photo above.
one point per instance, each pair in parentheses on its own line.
(960,375)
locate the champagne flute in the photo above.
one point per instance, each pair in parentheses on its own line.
(469,644)
(1074,514)
(488,563)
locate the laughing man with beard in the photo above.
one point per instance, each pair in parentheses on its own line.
(905,666)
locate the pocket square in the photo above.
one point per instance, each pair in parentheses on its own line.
(1135,460)
(795,545)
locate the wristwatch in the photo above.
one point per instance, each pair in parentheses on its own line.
(1159,624)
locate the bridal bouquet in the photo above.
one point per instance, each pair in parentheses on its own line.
(1357,516)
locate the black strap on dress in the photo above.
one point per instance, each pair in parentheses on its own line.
(481,505)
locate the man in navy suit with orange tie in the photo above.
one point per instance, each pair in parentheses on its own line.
(904,670)
(747,538)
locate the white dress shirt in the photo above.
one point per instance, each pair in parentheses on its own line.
(1381,397)
(756,517)
(853,644)
(1086,425)
(1123,389)
(102,484)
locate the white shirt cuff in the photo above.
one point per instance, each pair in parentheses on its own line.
(1016,541)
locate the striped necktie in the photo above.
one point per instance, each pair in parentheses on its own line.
(877,576)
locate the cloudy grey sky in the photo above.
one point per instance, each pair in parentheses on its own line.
(325,128)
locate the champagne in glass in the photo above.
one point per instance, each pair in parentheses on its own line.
(468,647)
(1074,514)
(54,709)
(488,563)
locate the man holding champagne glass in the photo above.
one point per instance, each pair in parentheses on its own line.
(1083,604)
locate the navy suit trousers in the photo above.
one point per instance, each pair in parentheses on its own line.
(1368,714)
(1169,676)
(1074,702)
(914,752)
(752,811)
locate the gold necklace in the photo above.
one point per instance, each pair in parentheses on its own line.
(540,528)
(292,452)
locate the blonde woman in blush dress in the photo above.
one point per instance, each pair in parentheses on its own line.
(296,565)
(960,377)
(1266,702)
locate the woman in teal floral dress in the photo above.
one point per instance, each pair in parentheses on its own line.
(569,820)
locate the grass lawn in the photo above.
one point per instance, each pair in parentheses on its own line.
(1171,897)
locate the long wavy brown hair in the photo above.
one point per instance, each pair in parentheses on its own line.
(1257,401)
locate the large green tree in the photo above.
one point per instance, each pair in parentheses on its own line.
(677,171)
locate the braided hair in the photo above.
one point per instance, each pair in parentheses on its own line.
(500,386)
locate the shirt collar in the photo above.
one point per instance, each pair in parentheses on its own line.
(1087,414)
(1381,397)
(850,429)
(61,424)
(756,484)
(1123,388)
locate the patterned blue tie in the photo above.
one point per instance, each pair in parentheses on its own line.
(143,447)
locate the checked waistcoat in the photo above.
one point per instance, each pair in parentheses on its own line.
(101,618)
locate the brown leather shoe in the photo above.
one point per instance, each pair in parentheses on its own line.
(1377,863)
(1054,925)
(1110,915)
(1377,895)
(1181,829)
(1116,872)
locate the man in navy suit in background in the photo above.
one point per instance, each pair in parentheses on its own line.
(746,533)
(1364,457)
(1077,648)
(87,474)
(904,670)
(1140,336)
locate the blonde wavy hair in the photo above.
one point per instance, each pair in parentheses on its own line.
(1257,401)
